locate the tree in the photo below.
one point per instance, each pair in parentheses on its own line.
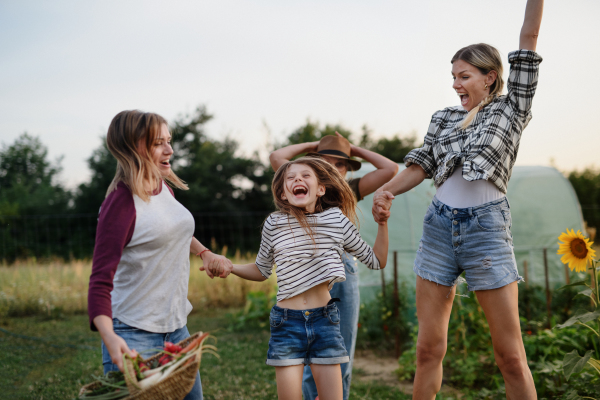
(394,148)
(587,186)
(218,179)
(90,195)
(28,181)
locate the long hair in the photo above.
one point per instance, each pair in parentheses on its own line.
(337,192)
(485,58)
(126,130)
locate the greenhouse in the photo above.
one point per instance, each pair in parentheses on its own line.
(543,204)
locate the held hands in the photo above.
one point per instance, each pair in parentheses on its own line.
(382,202)
(216,265)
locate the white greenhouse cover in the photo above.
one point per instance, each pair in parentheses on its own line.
(543,204)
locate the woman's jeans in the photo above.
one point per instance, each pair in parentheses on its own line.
(349,305)
(142,341)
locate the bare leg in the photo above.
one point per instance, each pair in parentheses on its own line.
(289,382)
(434,304)
(502,313)
(329,381)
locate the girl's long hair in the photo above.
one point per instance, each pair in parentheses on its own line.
(337,192)
(126,130)
(485,58)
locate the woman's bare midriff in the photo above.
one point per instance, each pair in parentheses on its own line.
(317,296)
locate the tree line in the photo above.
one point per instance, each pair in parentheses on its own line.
(39,216)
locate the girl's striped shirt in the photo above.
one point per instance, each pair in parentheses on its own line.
(300,264)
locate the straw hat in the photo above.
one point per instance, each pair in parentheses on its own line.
(336,147)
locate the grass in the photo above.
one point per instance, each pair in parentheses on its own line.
(48,368)
(55,289)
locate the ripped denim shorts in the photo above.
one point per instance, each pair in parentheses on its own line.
(476,240)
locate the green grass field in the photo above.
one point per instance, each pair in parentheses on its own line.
(52,358)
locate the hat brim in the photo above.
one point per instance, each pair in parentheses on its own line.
(354,164)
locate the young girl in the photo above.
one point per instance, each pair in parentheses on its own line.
(305,239)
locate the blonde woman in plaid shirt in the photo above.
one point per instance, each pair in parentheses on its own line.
(469,152)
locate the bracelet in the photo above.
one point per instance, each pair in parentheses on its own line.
(202,252)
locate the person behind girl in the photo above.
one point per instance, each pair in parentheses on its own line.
(305,238)
(338,151)
(469,151)
(137,296)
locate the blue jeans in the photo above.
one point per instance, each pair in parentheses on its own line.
(349,306)
(306,337)
(142,341)
(476,240)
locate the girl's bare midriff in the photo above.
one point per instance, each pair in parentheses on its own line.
(316,296)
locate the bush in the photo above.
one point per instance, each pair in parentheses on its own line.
(377,326)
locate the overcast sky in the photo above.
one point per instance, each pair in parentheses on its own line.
(264,67)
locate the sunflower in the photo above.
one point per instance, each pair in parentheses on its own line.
(577,250)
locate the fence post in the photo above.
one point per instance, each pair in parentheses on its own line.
(396,305)
(383,284)
(567,277)
(548,296)
(526,273)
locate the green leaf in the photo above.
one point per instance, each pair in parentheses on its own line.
(586,292)
(572,395)
(580,316)
(578,283)
(572,363)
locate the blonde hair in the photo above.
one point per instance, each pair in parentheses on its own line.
(337,192)
(485,58)
(126,130)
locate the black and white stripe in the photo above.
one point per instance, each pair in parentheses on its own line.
(300,263)
(488,148)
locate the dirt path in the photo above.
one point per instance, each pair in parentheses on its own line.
(369,366)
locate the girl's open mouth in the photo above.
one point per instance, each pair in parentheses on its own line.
(464,99)
(299,191)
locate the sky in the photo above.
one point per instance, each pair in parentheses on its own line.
(262,68)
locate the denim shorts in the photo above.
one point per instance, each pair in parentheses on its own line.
(476,240)
(306,337)
(147,344)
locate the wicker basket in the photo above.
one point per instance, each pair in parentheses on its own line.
(175,387)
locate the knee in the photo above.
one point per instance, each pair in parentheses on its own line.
(512,364)
(430,352)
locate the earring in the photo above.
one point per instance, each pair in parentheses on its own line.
(486,86)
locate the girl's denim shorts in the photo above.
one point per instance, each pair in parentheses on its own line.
(476,240)
(306,337)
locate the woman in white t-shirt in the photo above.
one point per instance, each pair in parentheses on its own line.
(137,296)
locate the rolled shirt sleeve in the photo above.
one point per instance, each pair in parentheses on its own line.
(522,80)
(423,155)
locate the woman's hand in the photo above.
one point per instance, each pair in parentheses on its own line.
(382,202)
(116,347)
(114,343)
(216,265)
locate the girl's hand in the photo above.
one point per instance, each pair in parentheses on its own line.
(382,202)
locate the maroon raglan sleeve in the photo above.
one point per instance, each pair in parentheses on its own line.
(116,223)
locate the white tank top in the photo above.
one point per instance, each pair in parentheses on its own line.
(457,192)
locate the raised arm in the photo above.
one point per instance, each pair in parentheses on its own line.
(531,25)
(386,170)
(285,154)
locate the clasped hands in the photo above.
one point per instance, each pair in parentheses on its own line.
(216,265)
(382,202)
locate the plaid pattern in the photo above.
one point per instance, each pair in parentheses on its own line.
(488,148)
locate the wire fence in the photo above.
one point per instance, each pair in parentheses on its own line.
(72,236)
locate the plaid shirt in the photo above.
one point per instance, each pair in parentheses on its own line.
(488,148)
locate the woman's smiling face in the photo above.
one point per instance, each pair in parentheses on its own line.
(470,83)
(302,188)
